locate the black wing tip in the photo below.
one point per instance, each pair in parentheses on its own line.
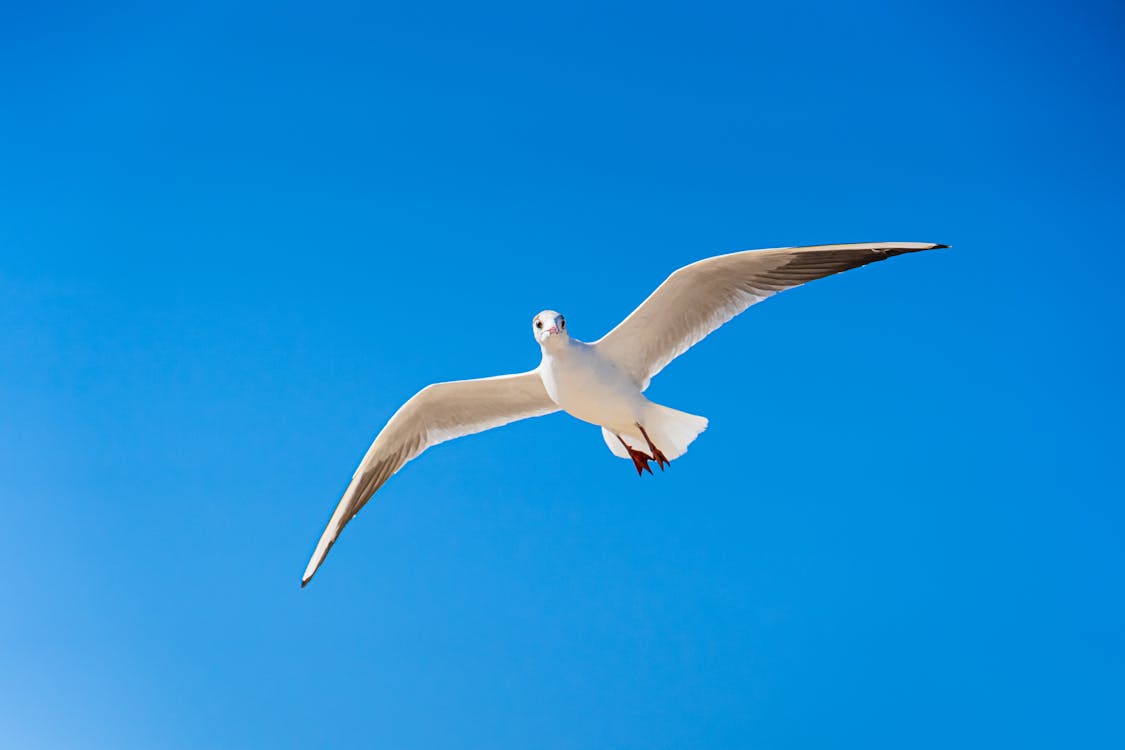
(893,251)
(923,246)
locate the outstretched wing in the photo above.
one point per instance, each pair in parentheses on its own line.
(438,412)
(699,298)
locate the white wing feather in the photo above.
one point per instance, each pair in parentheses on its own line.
(698,298)
(437,413)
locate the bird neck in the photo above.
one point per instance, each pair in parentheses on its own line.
(556,346)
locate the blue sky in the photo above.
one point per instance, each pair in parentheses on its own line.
(234,238)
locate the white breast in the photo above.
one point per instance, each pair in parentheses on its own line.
(588,386)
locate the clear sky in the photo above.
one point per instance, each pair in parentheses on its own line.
(234,238)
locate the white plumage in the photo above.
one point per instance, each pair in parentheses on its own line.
(602,382)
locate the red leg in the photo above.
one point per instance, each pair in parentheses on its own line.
(657,456)
(640,460)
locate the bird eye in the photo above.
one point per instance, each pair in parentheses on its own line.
(539,324)
(562,323)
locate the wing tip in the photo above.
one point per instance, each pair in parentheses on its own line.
(910,247)
(310,571)
(316,560)
(915,246)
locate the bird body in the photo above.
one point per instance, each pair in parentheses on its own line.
(602,382)
(587,385)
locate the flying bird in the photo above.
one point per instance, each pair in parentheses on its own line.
(602,382)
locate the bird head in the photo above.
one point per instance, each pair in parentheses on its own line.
(549,328)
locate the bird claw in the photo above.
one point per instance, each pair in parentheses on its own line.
(640,458)
(660,459)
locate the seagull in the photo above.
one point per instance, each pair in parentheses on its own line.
(602,382)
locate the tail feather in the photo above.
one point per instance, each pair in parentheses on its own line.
(671,430)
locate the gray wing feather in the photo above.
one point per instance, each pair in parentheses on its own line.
(697,299)
(437,413)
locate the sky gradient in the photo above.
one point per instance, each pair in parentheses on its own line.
(235,238)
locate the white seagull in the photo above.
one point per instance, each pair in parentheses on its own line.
(603,382)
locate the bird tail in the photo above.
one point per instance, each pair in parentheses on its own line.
(670,430)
